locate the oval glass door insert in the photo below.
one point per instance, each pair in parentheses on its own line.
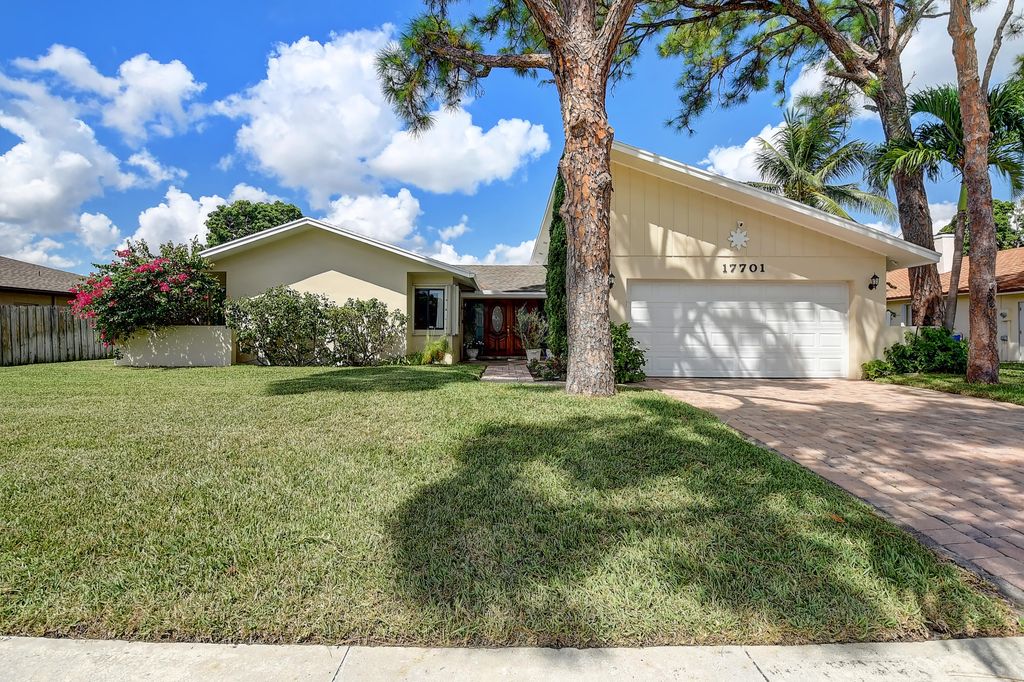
(497,319)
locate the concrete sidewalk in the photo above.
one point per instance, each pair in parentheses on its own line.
(25,659)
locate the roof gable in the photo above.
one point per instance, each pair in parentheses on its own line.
(265,237)
(898,252)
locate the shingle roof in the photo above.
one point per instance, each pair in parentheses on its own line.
(510,279)
(16,274)
(1009,276)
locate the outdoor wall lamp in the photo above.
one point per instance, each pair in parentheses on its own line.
(874,283)
(611,280)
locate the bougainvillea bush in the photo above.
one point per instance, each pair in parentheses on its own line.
(142,290)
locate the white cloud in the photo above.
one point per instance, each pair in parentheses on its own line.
(885,227)
(56,165)
(250,193)
(738,161)
(317,115)
(98,232)
(147,97)
(179,218)
(501,254)
(319,122)
(74,67)
(388,218)
(454,231)
(20,245)
(942,212)
(455,155)
(156,171)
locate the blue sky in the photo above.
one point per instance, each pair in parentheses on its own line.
(127,119)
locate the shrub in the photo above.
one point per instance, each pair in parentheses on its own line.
(141,290)
(282,327)
(554,304)
(531,328)
(366,332)
(434,351)
(931,349)
(876,369)
(629,357)
(552,369)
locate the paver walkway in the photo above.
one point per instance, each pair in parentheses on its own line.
(948,467)
(27,659)
(507,370)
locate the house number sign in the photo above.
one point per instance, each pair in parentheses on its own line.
(742,268)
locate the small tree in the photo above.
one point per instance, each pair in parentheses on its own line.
(281,327)
(531,328)
(242,218)
(554,304)
(142,290)
(366,332)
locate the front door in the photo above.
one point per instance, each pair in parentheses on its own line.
(500,338)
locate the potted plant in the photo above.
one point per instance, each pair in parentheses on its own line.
(532,329)
(473,348)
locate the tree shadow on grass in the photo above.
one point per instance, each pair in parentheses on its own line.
(656,524)
(391,378)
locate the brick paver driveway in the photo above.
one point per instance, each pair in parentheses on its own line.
(949,467)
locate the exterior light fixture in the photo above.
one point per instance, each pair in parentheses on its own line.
(611,281)
(874,283)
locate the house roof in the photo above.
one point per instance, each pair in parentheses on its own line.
(16,274)
(1009,276)
(264,236)
(514,279)
(898,252)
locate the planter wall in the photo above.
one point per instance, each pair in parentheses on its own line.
(198,346)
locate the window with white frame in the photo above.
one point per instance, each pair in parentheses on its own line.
(428,308)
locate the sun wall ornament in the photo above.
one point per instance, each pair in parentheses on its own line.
(739,238)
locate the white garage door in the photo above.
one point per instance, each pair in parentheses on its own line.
(722,329)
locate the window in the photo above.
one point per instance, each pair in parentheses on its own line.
(428,309)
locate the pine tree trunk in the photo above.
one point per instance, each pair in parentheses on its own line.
(983,358)
(959,230)
(586,170)
(911,199)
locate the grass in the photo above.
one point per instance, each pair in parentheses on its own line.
(418,505)
(1010,388)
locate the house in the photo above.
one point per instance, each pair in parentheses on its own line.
(24,283)
(716,278)
(1009,299)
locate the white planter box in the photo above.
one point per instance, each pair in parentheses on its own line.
(533,354)
(192,346)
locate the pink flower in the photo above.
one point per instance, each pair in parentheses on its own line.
(165,287)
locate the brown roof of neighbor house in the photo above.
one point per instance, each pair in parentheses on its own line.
(520,279)
(1009,276)
(16,274)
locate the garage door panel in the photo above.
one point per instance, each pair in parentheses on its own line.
(736,329)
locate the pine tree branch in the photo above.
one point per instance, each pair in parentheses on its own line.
(997,43)
(611,32)
(465,57)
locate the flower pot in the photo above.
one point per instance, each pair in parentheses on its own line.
(471,353)
(533,354)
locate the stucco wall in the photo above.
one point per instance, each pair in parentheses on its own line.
(316,261)
(1009,318)
(199,346)
(660,230)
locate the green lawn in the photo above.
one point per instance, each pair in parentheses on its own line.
(1010,388)
(419,505)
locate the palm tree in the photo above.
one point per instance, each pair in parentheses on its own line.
(807,159)
(939,142)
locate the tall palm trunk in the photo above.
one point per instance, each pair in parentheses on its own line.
(911,198)
(959,230)
(983,358)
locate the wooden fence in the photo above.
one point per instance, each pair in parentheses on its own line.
(46,333)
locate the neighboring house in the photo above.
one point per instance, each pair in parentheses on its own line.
(24,283)
(1009,299)
(715,277)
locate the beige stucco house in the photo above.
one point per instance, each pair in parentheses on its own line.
(1009,299)
(715,278)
